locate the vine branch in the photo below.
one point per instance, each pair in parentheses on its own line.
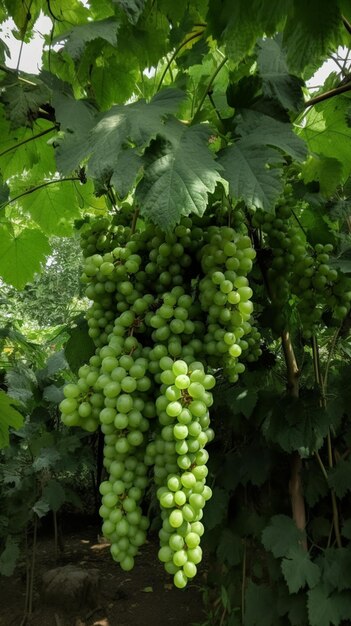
(134,220)
(328,94)
(37,187)
(12,72)
(208,88)
(22,143)
(173,56)
(346,24)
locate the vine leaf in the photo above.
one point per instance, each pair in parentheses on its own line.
(253,173)
(337,568)
(325,128)
(216,508)
(113,146)
(55,363)
(277,83)
(9,417)
(298,570)
(281,535)
(260,603)
(71,114)
(179,173)
(132,8)
(41,507)
(307,424)
(346,529)
(54,207)
(243,400)
(20,383)
(79,36)
(48,458)
(325,609)
(22,101)
(21,255)
(229,548)
(312,29)
(54,494)
(339,478)
(257,127)
(326,170)
(22,157)
(79,347)
(252,165)
(238,25)
(9,556)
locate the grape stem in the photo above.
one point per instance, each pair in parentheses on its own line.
(134,220)
(175,53)
(208,88)
(299,223)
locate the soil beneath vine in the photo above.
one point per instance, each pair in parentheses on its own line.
(143,597)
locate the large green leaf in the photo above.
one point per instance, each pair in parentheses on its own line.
(21,383)
(54,494)
(258,128)
(133,8)
(216,509)
(277,83)
(25,147)
(9,417)
(325,609)
(53,207)
(337,568)
(261,606)
(124,128)
(281,535)
(236,24)
(230,548)
(326,170)
(9,556)
(21,255)
(112,82)
(298,570)
(252,173)
(78,37)
(339,477)
(73,115)
(252,165)
(326,131)
(179,173)
(312,29)
(22,100)
(79,347)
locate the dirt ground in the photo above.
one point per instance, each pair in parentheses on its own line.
(143,597)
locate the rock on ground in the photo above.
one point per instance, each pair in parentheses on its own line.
(71,587)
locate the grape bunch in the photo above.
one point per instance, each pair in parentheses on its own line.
(300,273)
(168,311)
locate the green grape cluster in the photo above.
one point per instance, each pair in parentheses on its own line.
(225,295)
(320,288)
(167,309)
(301,273)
